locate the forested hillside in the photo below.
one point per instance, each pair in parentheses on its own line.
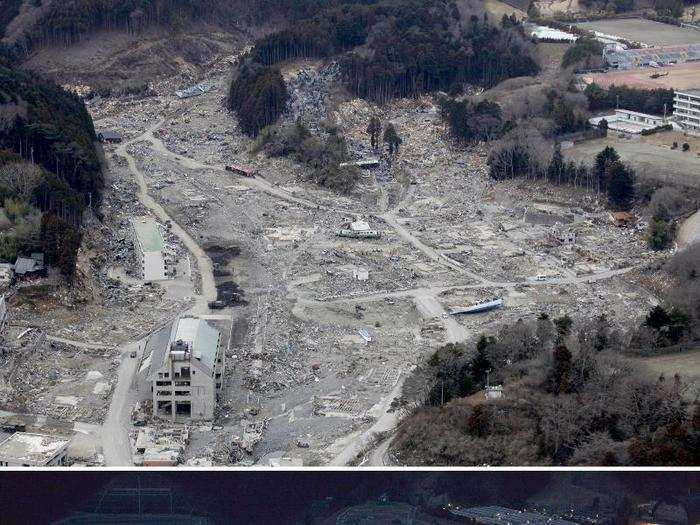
(66,22)
(396,48)
(49,168)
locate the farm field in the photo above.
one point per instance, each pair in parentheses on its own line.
(680,76)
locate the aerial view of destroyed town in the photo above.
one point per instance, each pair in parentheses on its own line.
(349,233)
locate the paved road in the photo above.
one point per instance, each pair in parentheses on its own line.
(115,437)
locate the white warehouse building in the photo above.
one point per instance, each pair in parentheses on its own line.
(150,250)
(686,109)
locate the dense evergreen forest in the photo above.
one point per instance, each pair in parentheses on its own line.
(66,22)
(49,168)
(643,100)
(394,48)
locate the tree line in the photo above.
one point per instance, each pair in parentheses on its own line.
(409,47)
(569,398)
(49,161)
(653,101)
(69,21)
(524,153)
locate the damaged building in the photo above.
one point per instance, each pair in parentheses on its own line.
(151,255)
(184,376)
(25,449)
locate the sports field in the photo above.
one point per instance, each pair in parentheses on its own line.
(680,76)
(645,31)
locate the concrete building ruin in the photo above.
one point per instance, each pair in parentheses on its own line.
(151,255)
(184,376)
(25,449)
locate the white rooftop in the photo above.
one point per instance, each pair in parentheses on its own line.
(38,449)
(359,226)
(201,337)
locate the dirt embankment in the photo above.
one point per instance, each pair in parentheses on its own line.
(109,59)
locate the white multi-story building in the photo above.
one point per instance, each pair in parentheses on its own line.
(184,376)
(150,250)
(686,109)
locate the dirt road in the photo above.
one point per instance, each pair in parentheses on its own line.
(208,292)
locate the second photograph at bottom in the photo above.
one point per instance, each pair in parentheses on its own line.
(352,497)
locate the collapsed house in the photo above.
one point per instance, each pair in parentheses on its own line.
(109,136)
(184,376)
(357,230)
(25,449)
(32,265)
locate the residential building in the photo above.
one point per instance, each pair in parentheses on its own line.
(25,449)
(151,256)
(686,108)
(184,375)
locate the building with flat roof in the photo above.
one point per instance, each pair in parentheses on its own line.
(184,375)
(24,449)
(628,121)
(686,108)
(151,254)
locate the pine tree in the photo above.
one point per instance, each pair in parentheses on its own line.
(374,129)
(620,183)
(392,139)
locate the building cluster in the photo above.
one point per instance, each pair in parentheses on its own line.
(618,58)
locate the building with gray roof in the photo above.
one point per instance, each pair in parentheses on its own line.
(184,373)
(652,56)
